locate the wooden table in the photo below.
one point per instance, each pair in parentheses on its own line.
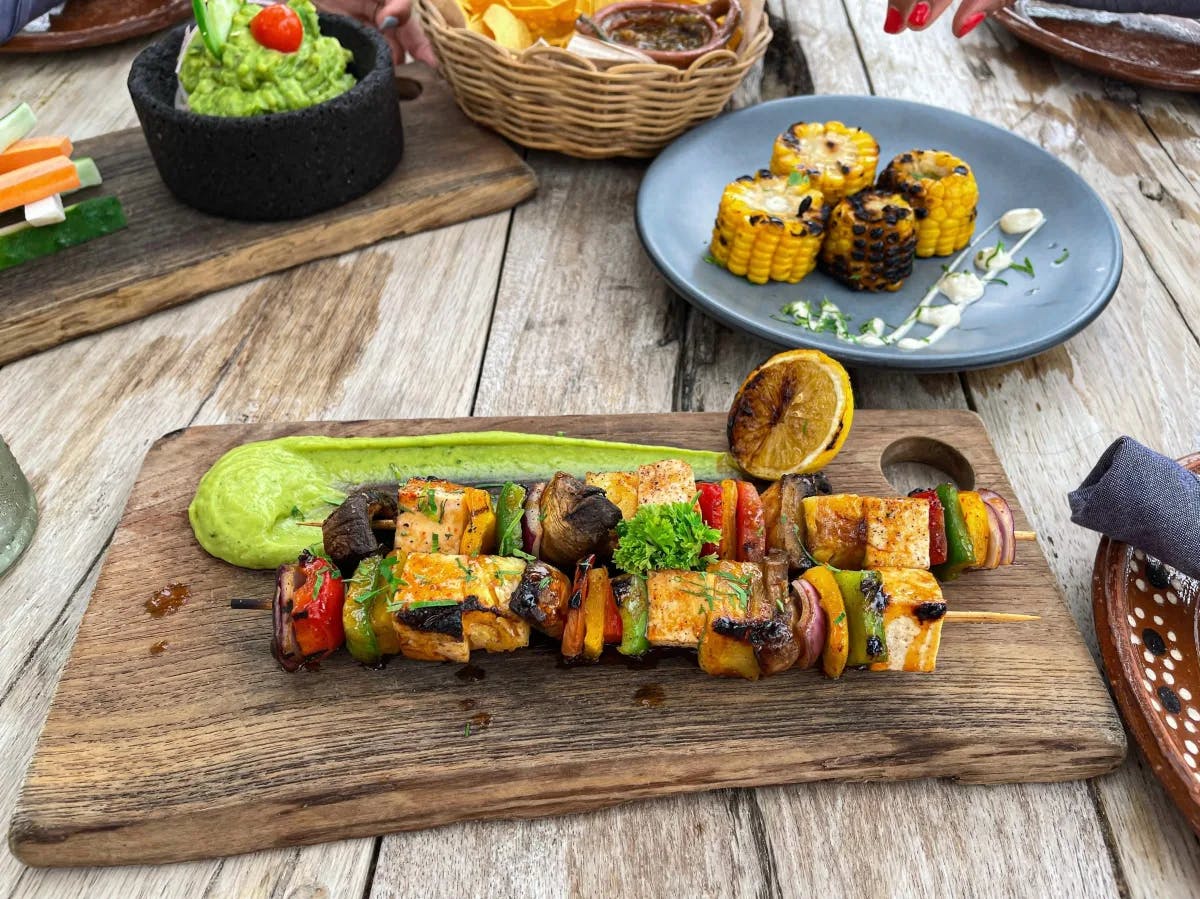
(554,309)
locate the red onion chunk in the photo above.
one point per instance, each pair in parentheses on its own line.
(1003,511)
(531,521)
(810,627)
(996,541)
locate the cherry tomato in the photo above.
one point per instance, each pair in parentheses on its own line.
(278,27)
(712,511)
(751,524)
(317,607)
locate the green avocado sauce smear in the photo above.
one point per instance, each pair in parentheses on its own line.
(250,506)
(249,79)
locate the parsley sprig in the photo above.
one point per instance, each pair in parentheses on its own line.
(663,535)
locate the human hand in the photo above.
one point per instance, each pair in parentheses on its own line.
(394,19)
(920,14)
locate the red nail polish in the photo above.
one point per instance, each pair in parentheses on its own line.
(894,21)
(919,15)
(970,24)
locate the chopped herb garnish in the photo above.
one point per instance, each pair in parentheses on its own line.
(467,731)
(1026,267)
(999,281)
(779,605)
(797,179)
(521,554)
(428,505)
(663,535)
(544,583)
(840,618)
(1063,258)
(435,542)
(296,513)
(711,259)
(433,604)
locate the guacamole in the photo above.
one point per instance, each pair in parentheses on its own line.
(251,79)
(249,506)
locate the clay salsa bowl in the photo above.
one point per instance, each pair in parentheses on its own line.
(639,15)
(1148,628)
(281,165)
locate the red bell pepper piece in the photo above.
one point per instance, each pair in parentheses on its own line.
(938,548)
(613,628)
(317,607)
(751,524)
(712,510)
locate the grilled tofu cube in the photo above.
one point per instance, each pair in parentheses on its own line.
(912,619)
(668,481)
(440,517)
(834,530)
(897,533)
(738,598)
(427,610)
(488,622)
(678,607)
(621,488)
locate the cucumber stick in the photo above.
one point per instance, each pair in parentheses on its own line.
(84,221)
(215,19)
(16,125)
(89,175)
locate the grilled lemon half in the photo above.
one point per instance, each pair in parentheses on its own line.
(791,415)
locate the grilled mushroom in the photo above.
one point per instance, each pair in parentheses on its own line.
(541,598)
(284,646)
(349,533)
(776,646)
(785,514)
(576,520)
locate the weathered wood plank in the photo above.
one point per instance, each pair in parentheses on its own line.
(1051,416)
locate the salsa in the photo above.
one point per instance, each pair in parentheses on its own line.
(662,30)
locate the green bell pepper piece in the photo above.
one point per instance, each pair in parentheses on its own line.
(509,510)
(960,551)
(361,591)
(862,592)
(634,609)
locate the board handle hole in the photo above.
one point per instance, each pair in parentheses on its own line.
(913,463)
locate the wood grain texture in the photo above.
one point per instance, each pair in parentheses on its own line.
(451,170)
(1136,370)
(215,751)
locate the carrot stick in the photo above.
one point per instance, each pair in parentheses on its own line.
(33,149)
(36,182)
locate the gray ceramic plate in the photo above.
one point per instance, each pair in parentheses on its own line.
(678,201)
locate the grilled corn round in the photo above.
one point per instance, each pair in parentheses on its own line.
(942,191)
(871,239)
(769,227)
(838,160)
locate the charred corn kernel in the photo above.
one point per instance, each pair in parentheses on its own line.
(870,241)
(838,160)
(942,191)
(769,227)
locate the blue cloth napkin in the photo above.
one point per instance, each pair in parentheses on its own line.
(1142,498)
(16,14)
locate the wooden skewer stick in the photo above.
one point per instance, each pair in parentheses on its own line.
(990,616)
(1025,535)
(254,603)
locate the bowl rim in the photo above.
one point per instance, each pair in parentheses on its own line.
(383,68)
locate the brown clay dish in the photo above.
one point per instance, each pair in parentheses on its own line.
(1146,620)
(674,34)
(1135,56)
(92,23)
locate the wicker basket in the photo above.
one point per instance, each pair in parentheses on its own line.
(550,99)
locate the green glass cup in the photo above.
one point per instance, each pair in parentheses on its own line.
(18,510)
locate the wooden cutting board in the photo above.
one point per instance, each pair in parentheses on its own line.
(452,170)
(208,748)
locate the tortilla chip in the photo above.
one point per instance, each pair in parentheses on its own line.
(510,32)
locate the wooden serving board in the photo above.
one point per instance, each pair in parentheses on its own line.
(452,170)
(208,748)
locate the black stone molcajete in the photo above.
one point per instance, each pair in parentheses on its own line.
(282,165)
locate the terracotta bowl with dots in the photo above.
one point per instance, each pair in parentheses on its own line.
(1147,618)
